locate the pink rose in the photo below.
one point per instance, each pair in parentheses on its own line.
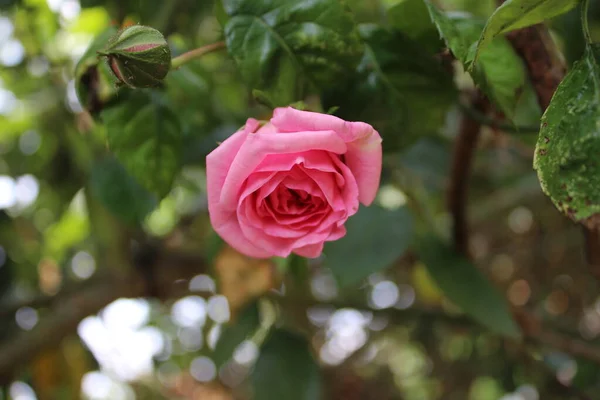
(290,185)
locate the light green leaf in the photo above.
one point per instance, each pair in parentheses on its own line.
(408,92)
(566,156)
(72,228)
(515,14)
(376,238)
(121,194)
(146,137)
(464,285)
(281,45)
(286,369)
(500,72)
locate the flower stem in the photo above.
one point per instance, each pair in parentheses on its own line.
(585,5)
(196,53)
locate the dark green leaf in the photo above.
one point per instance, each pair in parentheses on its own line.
(566,156)
(500,72)
(399,88)
(515,14)
(587,374)
(145,135)
(279,45)
(376,238)
(6,4)
(263,98)
(235,333)
(91,3)
(94,82)
(411,17)
(119,192)
(189,84)
(467,287)
(286,369)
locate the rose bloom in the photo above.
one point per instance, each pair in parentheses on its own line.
(290,185)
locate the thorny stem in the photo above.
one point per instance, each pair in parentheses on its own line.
(195,54)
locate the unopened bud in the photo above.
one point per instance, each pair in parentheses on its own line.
(138,56)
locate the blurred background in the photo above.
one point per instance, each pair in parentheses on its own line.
(393,336)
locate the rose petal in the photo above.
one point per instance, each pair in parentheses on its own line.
(248,214)
(225,222)
(319,160)
(337,233)
(364,160)
(350,190)
(310,251)
(258,145)
(364,154)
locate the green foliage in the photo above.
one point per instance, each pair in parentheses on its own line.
(120,193)
(281,45)
(465,286)
(71,229)
(286,369)
(94,83)
(515,14)
(567,148)
(411,17)
(500,72)
(115,185)
(376,238)
(233,334)
(145,135)
(410,82)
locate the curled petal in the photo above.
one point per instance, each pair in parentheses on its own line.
(225,222)
(258,145)
(364,155)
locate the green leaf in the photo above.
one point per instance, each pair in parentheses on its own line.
(515,14)
(286,369)
(72,228)
(399,88)
(121,194)
(376,238)
(566,155)
(95,84)
(242,328)
(411,17)
(263,98)
(464,285)
(500,72)
(6,4)
(280,45)
(145,135)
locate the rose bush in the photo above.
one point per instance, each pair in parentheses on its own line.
(291,184)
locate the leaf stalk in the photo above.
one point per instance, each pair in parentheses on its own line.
(191,55)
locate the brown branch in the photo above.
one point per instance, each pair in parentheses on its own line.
(164,274)
(9,308)
(462,159)
(544,63)
(571,346)
(535,331)
(62,322)
(546,69)
(592,249)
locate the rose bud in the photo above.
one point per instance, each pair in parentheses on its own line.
(138,56)
(288,186)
